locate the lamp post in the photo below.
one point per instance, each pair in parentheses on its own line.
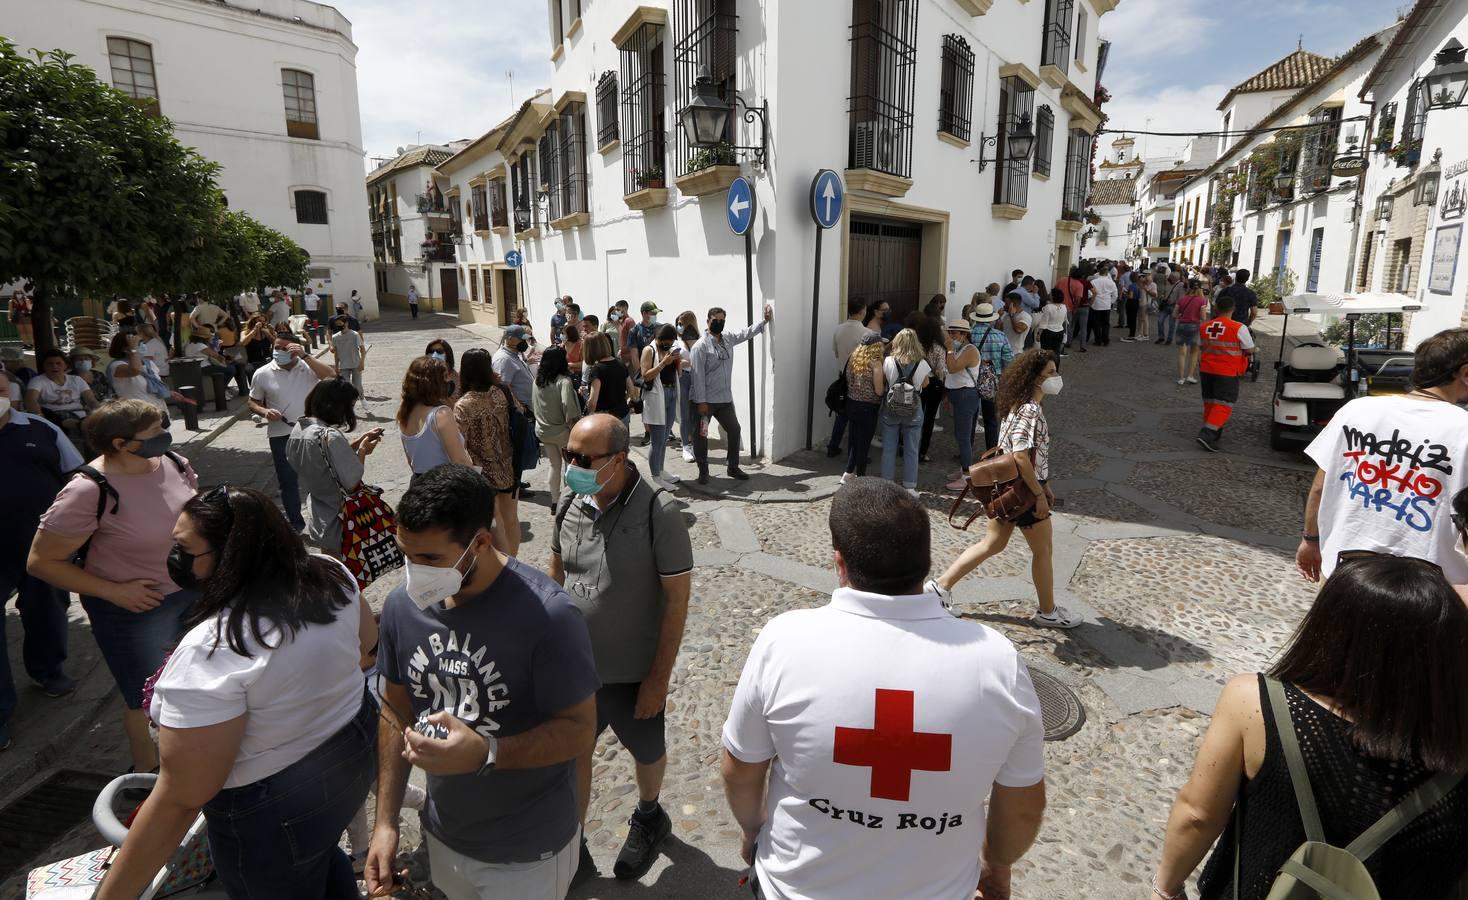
(1019,143)
(705,120)
(1447,83)
(1428,181)
(1384,203)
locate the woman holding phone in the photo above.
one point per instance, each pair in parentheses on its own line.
(328,464)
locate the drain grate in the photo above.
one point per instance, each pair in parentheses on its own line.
(36,819)
(1060,707)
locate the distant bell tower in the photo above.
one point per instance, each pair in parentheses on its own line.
(1121,150)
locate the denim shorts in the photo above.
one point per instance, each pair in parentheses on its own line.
(134,644)
(1187,334)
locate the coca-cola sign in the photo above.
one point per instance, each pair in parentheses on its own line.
(1348,166)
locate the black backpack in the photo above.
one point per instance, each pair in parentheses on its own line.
(105,490)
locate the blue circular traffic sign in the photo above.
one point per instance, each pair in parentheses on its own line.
(514,259)
(827,198)
(740,206)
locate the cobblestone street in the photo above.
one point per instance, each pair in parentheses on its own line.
(1180,562)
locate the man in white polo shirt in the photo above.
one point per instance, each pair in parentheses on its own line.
(278,396)
(884,724)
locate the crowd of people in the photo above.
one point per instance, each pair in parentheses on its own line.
(878,746)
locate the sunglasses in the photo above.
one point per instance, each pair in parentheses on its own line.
(1346,556)
(582,460)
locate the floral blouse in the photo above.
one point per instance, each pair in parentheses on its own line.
(484,420)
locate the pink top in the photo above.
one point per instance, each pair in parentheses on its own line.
(134,542)
(1190,309)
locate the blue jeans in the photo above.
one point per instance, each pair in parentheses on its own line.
(276,838)
(133,644)
(1080,326)
(1166,325)
(862,417)
(657,450)
(910,431)
(43,619)
(965,402)
(285,476)
(686,422)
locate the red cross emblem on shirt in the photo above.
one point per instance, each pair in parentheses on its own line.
(1215,330)
(891,748)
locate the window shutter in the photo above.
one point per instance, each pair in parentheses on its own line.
(1312,283)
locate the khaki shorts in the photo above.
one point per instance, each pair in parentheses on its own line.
(462,878)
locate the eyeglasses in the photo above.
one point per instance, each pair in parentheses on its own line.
(583,460)
(1346,556)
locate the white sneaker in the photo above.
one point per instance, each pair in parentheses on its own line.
(846,476)
(1060,618)
(937,429)
(945,596)
(1181,382)
(670,477)
(1192,381)
(914,492)
(258,420)
(876,443)
(688,454)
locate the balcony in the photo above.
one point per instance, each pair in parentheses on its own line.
(437,252)
(379,226)
(481,222)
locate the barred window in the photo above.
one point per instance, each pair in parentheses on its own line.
(956,88)
(300,104)
(311,207)
(1055,46)
(1321,143)
(1210,203)
(644,129)
(478,203)
(1388,124)
(522,192)
(1077,175)
(1080,35)
(132,70)
(571,183)
(1044,139)
(706,37)
(499,207)
(1414,121)
(550,163)
(606,109)
(883,81)
(1012,176)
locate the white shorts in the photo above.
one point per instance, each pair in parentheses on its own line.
(462,878)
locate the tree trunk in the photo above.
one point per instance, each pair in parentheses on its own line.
(41,321)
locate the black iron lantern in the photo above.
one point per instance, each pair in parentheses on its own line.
(1447,83)
(1428,181)
(1284,179)
(1384,204)
(706,117)
(1022,139)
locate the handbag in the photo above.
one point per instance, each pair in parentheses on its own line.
(836,394)
(996,483)
(369,546)
(524,445)
(987,381)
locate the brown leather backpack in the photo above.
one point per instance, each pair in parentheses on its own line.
(996,483)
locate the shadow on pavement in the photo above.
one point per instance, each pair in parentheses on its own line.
(691,873)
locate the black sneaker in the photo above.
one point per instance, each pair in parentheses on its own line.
(833,452)
(586,868)
(1209,445)
(644,834)
(646,438)
(703,478)
(57,686)
(738,474)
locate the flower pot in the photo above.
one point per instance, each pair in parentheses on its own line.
(1276,308)
(654,183)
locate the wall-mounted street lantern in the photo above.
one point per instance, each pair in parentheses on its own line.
(706,118)
(1447,83)
(1428,181)
(1019,143)
(1384,203)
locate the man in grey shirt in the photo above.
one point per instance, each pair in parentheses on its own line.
(711,393)
(510,365)
(621,549)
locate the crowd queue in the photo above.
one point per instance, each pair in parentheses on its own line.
(879,746)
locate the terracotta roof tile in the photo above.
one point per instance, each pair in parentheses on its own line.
(1295,71)
(1114,191)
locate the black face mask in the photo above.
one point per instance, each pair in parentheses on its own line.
(690,334)
(665,347)
(716,326)
(181,568)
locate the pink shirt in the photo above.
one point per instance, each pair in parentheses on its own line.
(134,542)
(1190,309)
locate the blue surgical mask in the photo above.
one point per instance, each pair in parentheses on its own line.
(438,355)
(583,481)
(283,357)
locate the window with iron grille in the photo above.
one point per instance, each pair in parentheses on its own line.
(1257,191)
(1044,139)
(478,202)
(1079,38)
(1077,175)
(132,70)
(1414,121)
(557,23)
(956,88)
(1387,125)
(643,125)
(550,165)
(1012,176)
(883,79)
(706,37)
(456,217)
(1208,211)
(300,104)
(522,192)
(1321,143)
(571,184)
(311,207)
(499,207)
(1055,46)
(606,109)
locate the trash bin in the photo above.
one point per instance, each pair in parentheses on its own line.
(187,377)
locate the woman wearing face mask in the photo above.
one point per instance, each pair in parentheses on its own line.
(328,464)
(135,606)
(441,351)
(962,380)
(687,323)
(611,383)
(264,723)
(84,366)
(876,316)
(426,420)
(1026,382)
(483,414)
(660,361)
(612,328)
(556,410)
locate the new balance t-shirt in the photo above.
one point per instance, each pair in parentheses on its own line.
(503,662)
(888,721)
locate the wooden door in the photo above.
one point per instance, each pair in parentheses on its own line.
(449,286)
(886,264)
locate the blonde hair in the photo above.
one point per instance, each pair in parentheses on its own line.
(907,348)
(866,357)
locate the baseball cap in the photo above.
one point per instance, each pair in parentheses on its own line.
(650,307)
(515,331)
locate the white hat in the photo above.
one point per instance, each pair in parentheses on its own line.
(983,314)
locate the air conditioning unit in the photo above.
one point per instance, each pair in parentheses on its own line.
(874,146)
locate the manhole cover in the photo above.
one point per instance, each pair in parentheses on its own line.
(1059,705)
(36,819)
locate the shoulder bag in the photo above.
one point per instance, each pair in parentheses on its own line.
(369,546)
(996,483)
(987,381)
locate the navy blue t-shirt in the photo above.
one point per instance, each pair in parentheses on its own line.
(35,455)
(502,662)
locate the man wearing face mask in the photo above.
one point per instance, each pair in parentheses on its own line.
(509,364)
(1388,468)
(278,395)
(558,322)
(712,390)
(622,550)
(490,687)
(1227,346)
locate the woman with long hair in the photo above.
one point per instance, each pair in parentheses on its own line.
(575,347)
(863,401)
(328,464)
(441,351)
(660,361)
(611,383)
(264,723)
(135,606)
(1191,312)
(907,364)
(430,435)
(1027,381)
(1372,687)
(930,332)
(688,335)
(483,414)
(557,408)
(1052,321)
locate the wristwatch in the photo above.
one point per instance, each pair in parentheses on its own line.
(1310,538)
(493,745)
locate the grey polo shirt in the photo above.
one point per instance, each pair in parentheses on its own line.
(615,560)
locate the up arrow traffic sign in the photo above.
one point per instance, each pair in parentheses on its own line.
(827,198)
(741,206)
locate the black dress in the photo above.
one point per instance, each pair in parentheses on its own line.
(612,397)
(1424,861)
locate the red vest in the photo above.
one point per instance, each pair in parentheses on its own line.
(1223,353)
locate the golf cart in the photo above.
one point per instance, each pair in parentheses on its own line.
(1314,379)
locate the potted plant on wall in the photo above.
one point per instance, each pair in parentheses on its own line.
(651,177)
(1406,153)
(1272,289)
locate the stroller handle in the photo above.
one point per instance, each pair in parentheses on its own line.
(103,815)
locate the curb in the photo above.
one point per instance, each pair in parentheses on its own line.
(85,714)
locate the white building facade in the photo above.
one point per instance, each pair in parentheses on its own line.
(269,92)
(413,235)
(607,200)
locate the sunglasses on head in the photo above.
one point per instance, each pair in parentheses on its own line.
(1346,556)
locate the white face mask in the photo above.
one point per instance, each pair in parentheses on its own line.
(430,585)
(1052,385)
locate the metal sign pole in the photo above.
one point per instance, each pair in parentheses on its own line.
(815,322)
(749,308)
(827,200)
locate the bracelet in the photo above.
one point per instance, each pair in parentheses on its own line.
(1182,892)
(1310,538)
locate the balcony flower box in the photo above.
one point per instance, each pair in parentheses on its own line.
(707,181)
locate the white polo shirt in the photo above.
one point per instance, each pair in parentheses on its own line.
(285,390)
(888,721)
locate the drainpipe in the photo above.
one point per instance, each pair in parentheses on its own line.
(1356,208)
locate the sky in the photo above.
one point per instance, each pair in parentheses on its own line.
(435,78)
